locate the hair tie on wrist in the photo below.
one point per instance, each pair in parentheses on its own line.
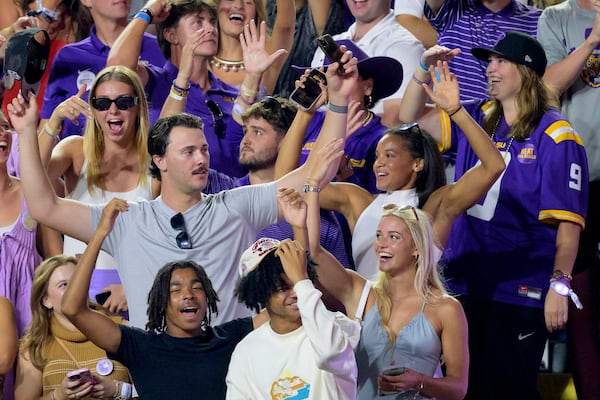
(455,111)
(423,66)
(420,82)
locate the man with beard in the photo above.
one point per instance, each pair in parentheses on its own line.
(264,126)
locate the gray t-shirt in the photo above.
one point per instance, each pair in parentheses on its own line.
(220,227)
(561,29)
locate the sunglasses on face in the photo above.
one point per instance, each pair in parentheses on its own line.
(217,117)
(183,239)
(122,102)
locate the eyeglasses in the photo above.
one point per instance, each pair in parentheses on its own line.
(402,212)
(412,128)
(217,117)
(122,102)
(182,239)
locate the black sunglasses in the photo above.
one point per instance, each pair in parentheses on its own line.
(182,239)
(412,128)
(286,115)
(122,102)
(217,116)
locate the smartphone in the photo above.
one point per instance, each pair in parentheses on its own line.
(331,50)
(83,375)
(394,371)
(102,297)
(306,97)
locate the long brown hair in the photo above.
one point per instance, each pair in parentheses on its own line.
(533,100)
(40,335)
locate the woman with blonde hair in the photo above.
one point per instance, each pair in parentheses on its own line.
(53,346)
(408,318)
(110,160)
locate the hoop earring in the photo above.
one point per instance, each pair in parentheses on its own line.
(369,101)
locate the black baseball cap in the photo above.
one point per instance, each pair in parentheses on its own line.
(517,47)
(26,58)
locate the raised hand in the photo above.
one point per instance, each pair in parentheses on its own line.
(109,216)
(323,158)
(438,53)
(70,109)
(341,86)
(445,92)
(23,114)
(293,260)
(293,207)
(160,9)
(256,58)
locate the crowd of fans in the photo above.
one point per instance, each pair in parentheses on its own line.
(173,224)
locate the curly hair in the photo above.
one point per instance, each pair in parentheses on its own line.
(255,289)
(158,297)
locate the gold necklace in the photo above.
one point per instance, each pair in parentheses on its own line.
(225,65)
(367,118)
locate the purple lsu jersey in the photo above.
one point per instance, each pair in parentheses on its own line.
(503,248)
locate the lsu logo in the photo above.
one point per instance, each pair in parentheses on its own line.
(591,71)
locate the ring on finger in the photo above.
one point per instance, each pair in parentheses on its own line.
(72,111)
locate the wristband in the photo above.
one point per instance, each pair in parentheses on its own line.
(423,66)
(557,274)
(238,109)
(176,96)
(148,12)
(143,16)
(562,286)
(455,111)
(337,109)
(180,90)
(246,91)
(310,188)
(50,132)
(246,102)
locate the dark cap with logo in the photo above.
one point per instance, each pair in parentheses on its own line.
(26,58)
(517,47)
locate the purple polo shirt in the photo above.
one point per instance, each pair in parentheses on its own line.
(359,148)
(468,24)
(78,63)
(331,233)
(224,151)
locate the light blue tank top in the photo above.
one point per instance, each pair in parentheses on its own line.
(418,347)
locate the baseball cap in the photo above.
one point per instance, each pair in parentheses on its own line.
(255,254)
(387,72)
(517,47)
(26,58)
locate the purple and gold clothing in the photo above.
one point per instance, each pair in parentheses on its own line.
(468,23)
(77,64)
(224,151)
(503,248)
(359,148)
(331,233)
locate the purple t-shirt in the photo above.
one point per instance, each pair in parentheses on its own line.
(359,148)
(466,24)
(507,242)
(78,63)
(224,151)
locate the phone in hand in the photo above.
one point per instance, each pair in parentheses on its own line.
(306,97)
(102,297)
(82,375)
(392,371)
(331,50)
